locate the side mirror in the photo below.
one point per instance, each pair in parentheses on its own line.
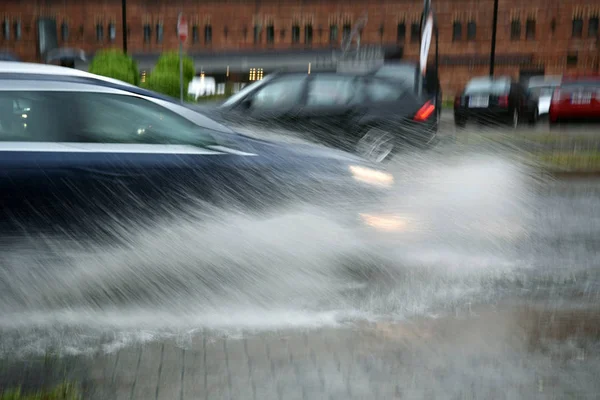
(246,103)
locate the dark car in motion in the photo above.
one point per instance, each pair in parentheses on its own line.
(78,150)
(496,100)
(362,113)
(576,99)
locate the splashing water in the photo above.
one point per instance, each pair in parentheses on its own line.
(234,273)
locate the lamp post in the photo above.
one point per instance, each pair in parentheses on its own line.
(124,15)
(494,29)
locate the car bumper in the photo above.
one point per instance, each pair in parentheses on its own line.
(496,114)
(419,134)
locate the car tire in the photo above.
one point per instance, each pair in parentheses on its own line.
(533,119)
(514,121)
(376,144)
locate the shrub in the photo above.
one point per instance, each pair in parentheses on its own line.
(164,78)
(117,65)
(170,62)
(165,82)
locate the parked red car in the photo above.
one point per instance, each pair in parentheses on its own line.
(577,98)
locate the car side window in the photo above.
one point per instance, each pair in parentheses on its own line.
(33,116)
(115,118)
(379,91)
(331,90)
(281,93)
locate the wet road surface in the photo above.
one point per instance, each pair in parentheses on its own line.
(259,310)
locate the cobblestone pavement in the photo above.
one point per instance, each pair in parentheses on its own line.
(487,355)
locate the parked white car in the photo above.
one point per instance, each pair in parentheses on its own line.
(542,87)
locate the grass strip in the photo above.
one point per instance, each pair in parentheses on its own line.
(66,391)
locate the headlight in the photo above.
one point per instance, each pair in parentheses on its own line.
(371,176)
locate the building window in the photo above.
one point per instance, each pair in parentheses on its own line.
(471,30)
(64,31)
(282,34)
(159,32)
(256,34)
(195,34)
(147,33)
(256,74)
(381,31)
(577,30)
(308,34)
(593,27)
(333,33)
(346,30)
(515,29)
(225,32)
(99,32)
(530,29)
(270,34)
(401,32)
(295,34)
(456,31)
(208,34)
(17,28)
(6,28)
(572,60)
(245,33)
(112,31)
(415,32)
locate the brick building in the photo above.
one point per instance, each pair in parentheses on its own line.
(551,36)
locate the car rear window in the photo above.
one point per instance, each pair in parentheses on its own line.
(382,90)
(405,73)
(573,86)
(542,90)
(487,86)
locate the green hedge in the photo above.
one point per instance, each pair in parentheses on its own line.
(164,78)
(115,64)
(165,82)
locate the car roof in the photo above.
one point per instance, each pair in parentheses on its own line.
(45,69)
(24,70)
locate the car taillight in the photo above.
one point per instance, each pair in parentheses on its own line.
(503,101)
(425,112)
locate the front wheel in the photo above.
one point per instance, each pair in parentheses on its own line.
(514,122)
(460,122)
(533,119)
(376,145)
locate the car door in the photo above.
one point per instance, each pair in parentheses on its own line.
(148,155)
(33,128)
(390,102)
(273,105)
(332,108)
(86,152)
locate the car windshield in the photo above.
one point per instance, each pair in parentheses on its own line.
(487,86)
(242,93)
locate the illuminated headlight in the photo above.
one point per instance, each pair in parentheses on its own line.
(371,176)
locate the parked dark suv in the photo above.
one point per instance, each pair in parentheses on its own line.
(499,100)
